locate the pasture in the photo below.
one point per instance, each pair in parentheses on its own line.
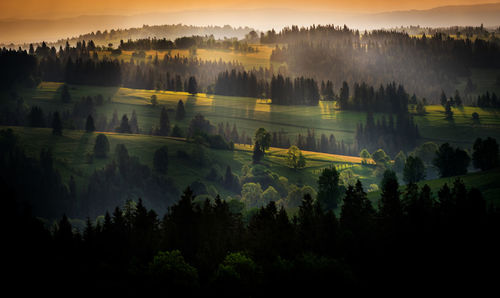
(261,58)
(69,152)
(249,113)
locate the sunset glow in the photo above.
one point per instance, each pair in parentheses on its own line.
(62,8)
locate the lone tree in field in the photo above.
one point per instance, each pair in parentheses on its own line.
(262,141)
(164,128)
(180,112)
(443,99)
(447,111)
(56,124)
(295,158)
(124,125)
(134,126)
(457,100)
(192,86)
(65,96)
(89,126)
(485,155)
(365,155)
(344,95)
(101,147)
(154,100)
(328,188)
(160,161)
(414,170)
(380,157)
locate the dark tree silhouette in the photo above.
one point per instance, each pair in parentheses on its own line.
(192,86)
(485,155)
(164,128)
(329,192)
(65,95)
(414,170)
(101,147)
(124,125)
(89,125)
(160,160)
(56,124)
(451,162)
(262,141)
(180,112)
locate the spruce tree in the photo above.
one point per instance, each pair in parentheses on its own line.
(89,126)
(65,95)
(124,125)
(180,112)
(160,161)
(192,87)
(101,147)
(134,126)
(164,128)
(56,124)
(328,188)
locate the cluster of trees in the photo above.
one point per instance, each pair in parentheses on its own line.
(299,91)
(458,31)
(204,248)
(18,69)
(488,100)
(391,99)
(171,31)
(123,175)
(447,160)
(232,135)
(392,135)
(82,65)
(185,42)
(242,83)
(424,65)
(35,181)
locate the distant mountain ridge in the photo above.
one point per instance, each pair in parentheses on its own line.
(25,31)
(444,16)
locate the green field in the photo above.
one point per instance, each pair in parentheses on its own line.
(261,58)
(249,113)
(70,149)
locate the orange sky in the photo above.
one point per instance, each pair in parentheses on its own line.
(65,8)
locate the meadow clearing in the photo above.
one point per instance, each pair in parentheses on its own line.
(261,58)
(70,151)
(249,113)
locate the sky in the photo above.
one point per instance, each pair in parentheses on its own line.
(47,9)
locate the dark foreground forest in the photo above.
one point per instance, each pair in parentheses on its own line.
(413,239)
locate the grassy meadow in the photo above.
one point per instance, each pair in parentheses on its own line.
(261,58)
(249,113)
(70,150)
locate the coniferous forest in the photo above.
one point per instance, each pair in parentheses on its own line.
(250,161)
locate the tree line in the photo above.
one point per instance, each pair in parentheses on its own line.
(424,65)
(185,42)
(82,65)
(203,247)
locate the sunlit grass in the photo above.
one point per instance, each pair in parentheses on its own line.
(249,113)
(248,60)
